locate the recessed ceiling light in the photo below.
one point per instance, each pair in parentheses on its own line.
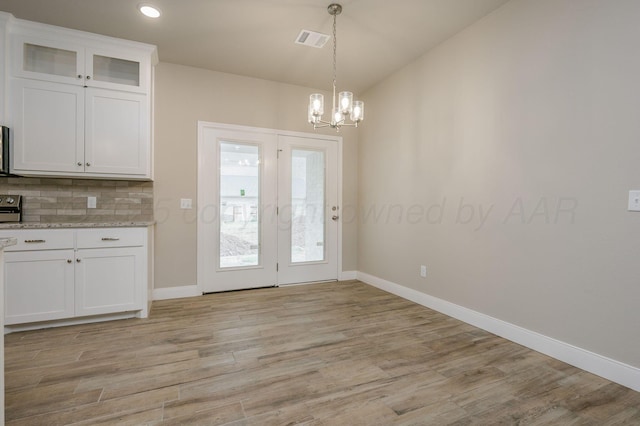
(148,10)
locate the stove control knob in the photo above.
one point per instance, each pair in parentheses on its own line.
(10,200)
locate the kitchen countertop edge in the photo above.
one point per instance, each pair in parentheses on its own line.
(76,225)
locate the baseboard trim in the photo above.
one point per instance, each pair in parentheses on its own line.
(348,275)
(14,328)
(176,292)
(608,368)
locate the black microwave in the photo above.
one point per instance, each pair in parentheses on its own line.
(4,150)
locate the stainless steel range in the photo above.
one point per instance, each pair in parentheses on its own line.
(10,208)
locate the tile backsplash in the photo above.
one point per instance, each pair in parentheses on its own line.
(53,200)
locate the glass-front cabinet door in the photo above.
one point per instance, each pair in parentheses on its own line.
(116,70)
(63,62)
(48,60)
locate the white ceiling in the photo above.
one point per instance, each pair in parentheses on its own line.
(256,37)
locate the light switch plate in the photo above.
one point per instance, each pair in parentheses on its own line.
(634,201)
(91,202)
(186,203)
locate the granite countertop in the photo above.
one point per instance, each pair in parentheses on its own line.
(6,242)
(34,225)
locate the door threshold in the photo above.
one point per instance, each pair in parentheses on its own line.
(307,282)
(237,290)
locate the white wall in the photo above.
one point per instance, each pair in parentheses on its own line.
(507,154)
(184,95)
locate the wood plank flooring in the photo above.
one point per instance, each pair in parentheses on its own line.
(324,354)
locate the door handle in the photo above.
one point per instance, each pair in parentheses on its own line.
(334,217)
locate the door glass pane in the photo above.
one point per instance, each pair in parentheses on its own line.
(239,205)
(307,206)
(49,60)
(114,70)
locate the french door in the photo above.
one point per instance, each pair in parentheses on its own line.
(308,210)
(267,208)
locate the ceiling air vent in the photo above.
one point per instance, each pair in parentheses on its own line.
(312,38)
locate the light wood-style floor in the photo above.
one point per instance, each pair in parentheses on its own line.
(324,354)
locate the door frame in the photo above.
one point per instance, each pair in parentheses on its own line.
(204,225)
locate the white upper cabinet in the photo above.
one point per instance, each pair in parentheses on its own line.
(48,128)
(110,70)
(115,125)
(47,60)
(62,62)
(80,103)
(66,129)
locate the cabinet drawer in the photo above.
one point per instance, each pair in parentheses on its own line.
(40,239)
(111,237)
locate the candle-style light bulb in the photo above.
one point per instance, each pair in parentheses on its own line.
(346,102)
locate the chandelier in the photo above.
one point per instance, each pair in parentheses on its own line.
(345,107)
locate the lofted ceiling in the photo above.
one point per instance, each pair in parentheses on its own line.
(255,38)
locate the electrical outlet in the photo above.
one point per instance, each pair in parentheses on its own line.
(186,203)
(91,202)
(634,201)
(423,271)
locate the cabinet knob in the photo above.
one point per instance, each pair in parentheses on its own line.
(88,164)
(78,260)
(88,77)
(79,75)
(79,163)
(69,260)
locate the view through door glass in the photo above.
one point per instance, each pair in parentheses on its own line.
(307,206)
(239,205)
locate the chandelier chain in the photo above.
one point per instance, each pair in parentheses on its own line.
(335,43)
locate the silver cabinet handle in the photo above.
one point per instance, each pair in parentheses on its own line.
(34,241)
(110,239)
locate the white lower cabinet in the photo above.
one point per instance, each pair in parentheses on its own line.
(62,274)
(106,280)
(39,286)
